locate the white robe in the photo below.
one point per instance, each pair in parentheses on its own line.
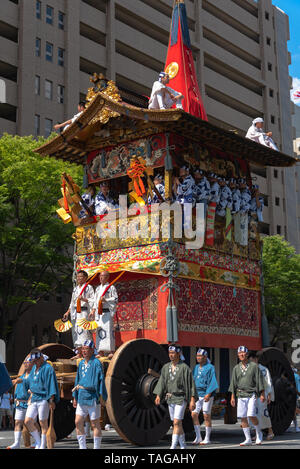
(79,335)
(105,337)
(259,136)
(160,98)
(73,119)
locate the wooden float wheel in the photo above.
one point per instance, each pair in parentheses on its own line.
(130,384)
(282,410)
(64,414)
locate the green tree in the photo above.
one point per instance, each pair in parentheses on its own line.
(35,246)
(281,269)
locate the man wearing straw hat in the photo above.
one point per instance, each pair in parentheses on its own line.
(177,386)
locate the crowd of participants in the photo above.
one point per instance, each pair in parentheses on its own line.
(36,392)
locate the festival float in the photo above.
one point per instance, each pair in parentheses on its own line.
(203,291)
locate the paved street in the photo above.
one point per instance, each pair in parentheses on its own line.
(223,437)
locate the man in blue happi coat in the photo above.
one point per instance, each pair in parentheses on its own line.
(21,397)
(89,389)
(206,384)
(43,389)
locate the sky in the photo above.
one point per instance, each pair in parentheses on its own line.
(292,9)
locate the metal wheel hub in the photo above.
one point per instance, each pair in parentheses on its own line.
(144,390)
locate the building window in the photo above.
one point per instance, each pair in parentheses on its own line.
(38,9)
(49,52)
(61,20)
(48,127)
(48,89)
(49,15)
(267,15)
(37,47)
(268,41)
(275,173)
(37,125)
(270,67)
(37,85)
(61,56)
(61,94)
(278,229)
(271,93)
(272,119)
(277,201)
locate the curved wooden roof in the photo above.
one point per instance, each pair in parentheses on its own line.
(107,123)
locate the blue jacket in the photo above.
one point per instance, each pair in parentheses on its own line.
(43,384)
(91,376)
(205,379)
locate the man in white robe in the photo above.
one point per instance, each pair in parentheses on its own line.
(105,337)
(257,134)
(66,124)
(80,309)
(162,96)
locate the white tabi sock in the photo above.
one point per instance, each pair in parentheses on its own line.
(182,441)
(17,441)
(82,441)
(259,435)
(43,444)
(175,439)
(198,438)
(247,435)
(36,436)
(97,442)
(207,433)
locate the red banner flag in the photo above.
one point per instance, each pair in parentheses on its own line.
(180,63)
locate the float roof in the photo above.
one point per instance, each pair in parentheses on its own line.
(107,122)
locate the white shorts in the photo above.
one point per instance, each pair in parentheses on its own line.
(246,407)
(204,406)
(20,414)
(176,411)
(38,409)
(93,411)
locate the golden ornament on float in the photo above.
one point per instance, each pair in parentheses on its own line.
(172,70)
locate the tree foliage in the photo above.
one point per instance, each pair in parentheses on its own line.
(281,269)
(35,246)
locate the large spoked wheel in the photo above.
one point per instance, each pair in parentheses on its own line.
(282,410)
(130,385)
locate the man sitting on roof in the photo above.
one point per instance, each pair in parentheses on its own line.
(65,125)
(163,97)
(257,134)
